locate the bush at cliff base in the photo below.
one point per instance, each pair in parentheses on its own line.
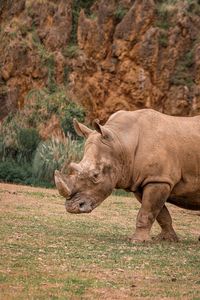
(54,155)
(24,158)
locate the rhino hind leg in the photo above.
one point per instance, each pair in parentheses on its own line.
(165,221)
(153,198)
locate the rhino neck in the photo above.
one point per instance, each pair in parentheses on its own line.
(124,165)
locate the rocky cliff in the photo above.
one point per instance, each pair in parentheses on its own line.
(109,55)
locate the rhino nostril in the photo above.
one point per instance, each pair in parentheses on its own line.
(81,204)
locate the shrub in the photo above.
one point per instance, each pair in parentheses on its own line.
(28,140)
(120,13)
(69,112)
(20,141)
(194,7)
(71,51)
(9,129)
(36,182)
(42,105)
(189,59)
(52,154)
(182,78)
(66,73)
(77,6)
(10,171)
(16,141)
(183,70)
(165,9)
(9,136)
(163,39)
(48,60)
(2,148)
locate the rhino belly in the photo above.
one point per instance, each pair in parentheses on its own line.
(190,201)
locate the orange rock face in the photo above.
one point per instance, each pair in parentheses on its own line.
(135,62)
(131,54)
(32,38)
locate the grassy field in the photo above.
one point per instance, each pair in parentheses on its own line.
(46,253)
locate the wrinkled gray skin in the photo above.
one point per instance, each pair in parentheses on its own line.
(155,156)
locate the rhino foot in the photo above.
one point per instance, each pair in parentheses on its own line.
(139,239)
(167,236)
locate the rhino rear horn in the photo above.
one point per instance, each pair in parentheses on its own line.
(61,185)
(102,130)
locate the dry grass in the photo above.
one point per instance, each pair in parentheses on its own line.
(48,254)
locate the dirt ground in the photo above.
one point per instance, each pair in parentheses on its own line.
(47,253)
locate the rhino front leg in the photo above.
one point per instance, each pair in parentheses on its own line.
(153,199)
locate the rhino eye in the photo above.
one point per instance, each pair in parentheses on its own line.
(95,177)
(106,169)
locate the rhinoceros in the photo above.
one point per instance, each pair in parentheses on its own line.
(153,155)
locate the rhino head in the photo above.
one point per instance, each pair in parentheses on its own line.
(91,180)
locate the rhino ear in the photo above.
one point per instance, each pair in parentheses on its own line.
(81,129)
(102,130)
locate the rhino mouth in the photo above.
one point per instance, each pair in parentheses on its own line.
(79,205)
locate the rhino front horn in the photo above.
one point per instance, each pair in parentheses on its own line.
(61,184)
